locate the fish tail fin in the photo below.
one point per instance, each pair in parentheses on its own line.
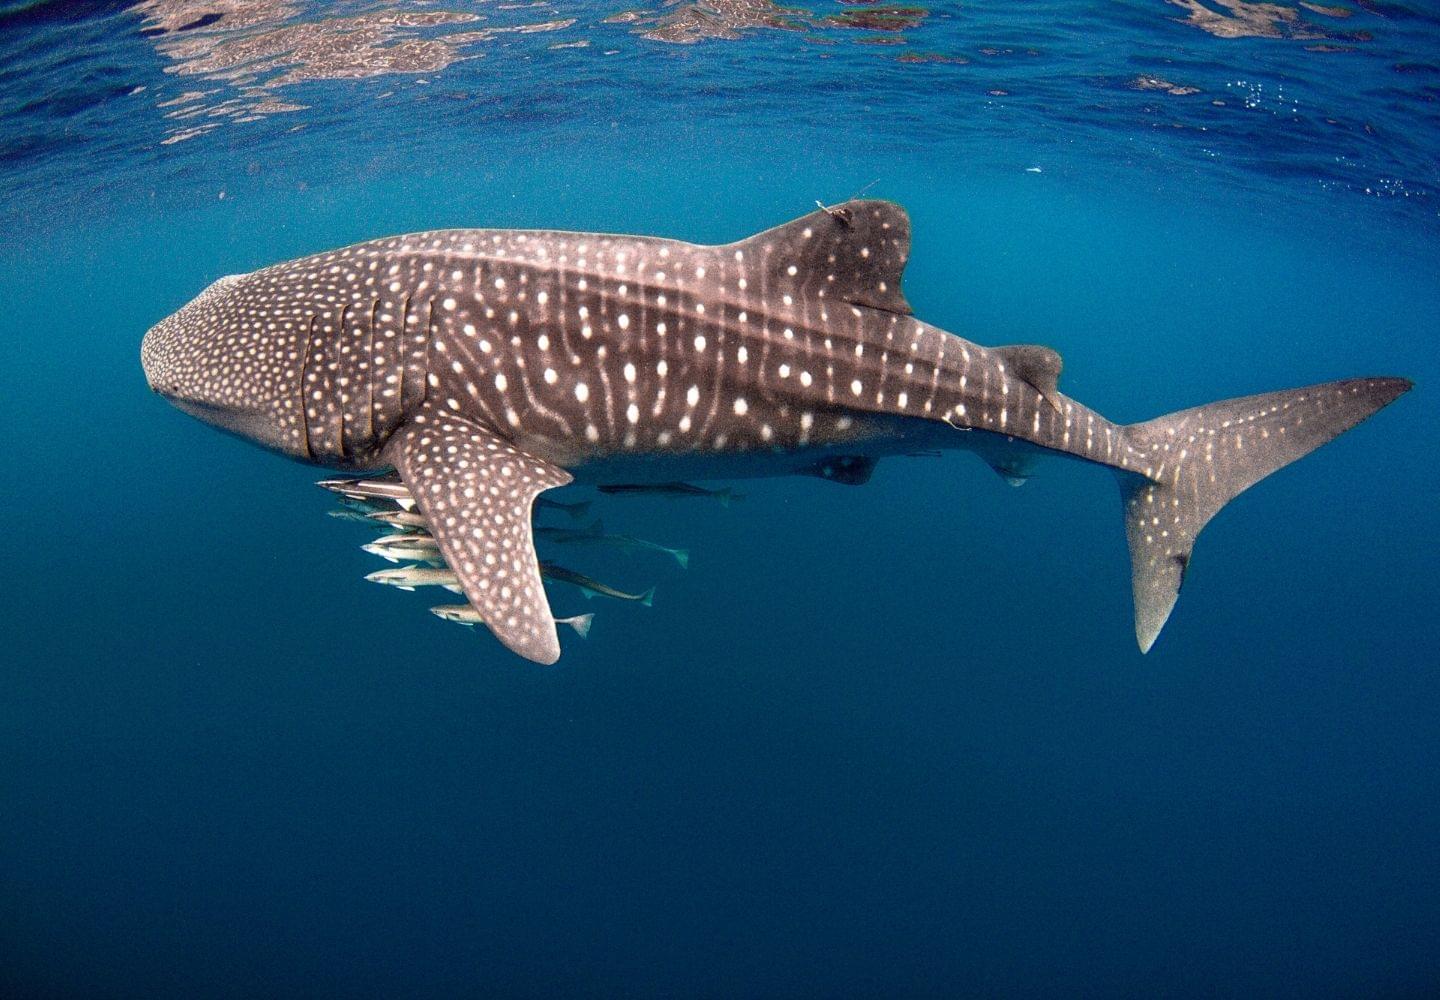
(648,598)
(581,623)
(578,511)
(729,496)
(682,556)
(1195,461)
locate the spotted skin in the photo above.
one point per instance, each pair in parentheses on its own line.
(1200,459)
(457,355)
(476,490)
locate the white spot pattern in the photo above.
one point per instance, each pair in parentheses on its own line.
(480,513)
(567,340)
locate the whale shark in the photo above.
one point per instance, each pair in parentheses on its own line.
(488,366)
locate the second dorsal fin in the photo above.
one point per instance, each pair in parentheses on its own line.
(1036,365)
(854,252)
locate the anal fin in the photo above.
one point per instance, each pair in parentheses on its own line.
(848,470)
(1014,470)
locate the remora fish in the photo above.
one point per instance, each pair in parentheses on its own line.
(363,506)
(407,545)
(465,614)
(592,588)
(596,535)
(677,490)
(390,500)
(410,577)
(349,514)
(380,493)
(487,366)
(405,520)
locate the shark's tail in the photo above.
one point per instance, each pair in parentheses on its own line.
(1198,460)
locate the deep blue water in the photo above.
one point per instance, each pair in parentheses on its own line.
(892,740)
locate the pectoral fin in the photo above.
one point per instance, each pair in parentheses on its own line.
(476,490)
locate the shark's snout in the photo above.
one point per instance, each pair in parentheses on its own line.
(173,346)
(227,358)
(151,365)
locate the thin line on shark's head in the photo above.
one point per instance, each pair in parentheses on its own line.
(864,190)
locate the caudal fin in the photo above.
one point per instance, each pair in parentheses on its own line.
(1200,459)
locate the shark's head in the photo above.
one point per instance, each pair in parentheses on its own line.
(223,359)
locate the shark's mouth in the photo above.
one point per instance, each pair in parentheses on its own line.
(243,422)
(209,412)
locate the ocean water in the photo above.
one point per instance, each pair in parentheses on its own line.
(891,740)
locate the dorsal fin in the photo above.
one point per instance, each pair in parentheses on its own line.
(1039,366)
(855,252)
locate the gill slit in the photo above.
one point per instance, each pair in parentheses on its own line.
(336,388)
(429,340)
(370,371)
(403,351)
(304,388)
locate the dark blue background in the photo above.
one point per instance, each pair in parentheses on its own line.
(894,740)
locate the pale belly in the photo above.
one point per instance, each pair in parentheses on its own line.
(887,437)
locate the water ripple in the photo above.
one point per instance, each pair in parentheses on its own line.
(1305,98)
